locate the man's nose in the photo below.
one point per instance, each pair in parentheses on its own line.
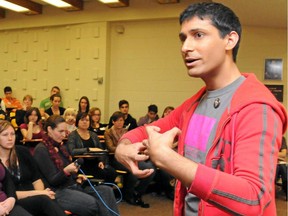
(188,45)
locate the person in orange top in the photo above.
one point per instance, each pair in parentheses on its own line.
(11,102)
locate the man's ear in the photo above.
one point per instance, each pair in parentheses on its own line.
(232,40)
(49,129)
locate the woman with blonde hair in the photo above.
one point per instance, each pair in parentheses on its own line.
(70,118)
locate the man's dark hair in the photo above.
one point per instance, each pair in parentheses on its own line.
(153,108)
(7,89)
(55,87)
(121,102)
(55,95)
(222,17)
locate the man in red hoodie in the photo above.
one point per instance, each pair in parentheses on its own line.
(229,133)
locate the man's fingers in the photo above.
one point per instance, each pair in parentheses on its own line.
(142,173)
(174,131)
(141,157)
(150,129)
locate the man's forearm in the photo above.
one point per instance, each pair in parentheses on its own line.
(176,165)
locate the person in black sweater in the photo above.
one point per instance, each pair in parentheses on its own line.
(21,167)
(55,108)
(60,173)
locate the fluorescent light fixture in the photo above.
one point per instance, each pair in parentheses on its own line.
(68,5)
(116,3)
(57,3)
(22,6)
(11,6)
(109,1)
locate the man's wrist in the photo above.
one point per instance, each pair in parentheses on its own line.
(161,158)
(125,141)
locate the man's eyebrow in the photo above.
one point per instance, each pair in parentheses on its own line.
(196,30)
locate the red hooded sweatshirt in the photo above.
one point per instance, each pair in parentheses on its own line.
(242,182)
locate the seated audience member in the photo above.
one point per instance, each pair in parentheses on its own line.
(70,118)
(84,104)
(2,105)
(10,102)
(60,173)
(113,134)
(46,103)
(150,117)
(3,114)
(32,128)
(133,188)
(55,108)
(20,114)
(96,125)
(30,191)
(281,170)
(82,141)
(8,205)
(167,110)
(130,123)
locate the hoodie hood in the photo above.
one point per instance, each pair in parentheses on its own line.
(256,92)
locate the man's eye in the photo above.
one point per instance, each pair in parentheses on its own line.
(199,35)
(182,38)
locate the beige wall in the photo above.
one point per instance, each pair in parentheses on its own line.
(71,56)
(146,66)
(138,57)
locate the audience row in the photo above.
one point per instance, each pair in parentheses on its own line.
(83,130)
